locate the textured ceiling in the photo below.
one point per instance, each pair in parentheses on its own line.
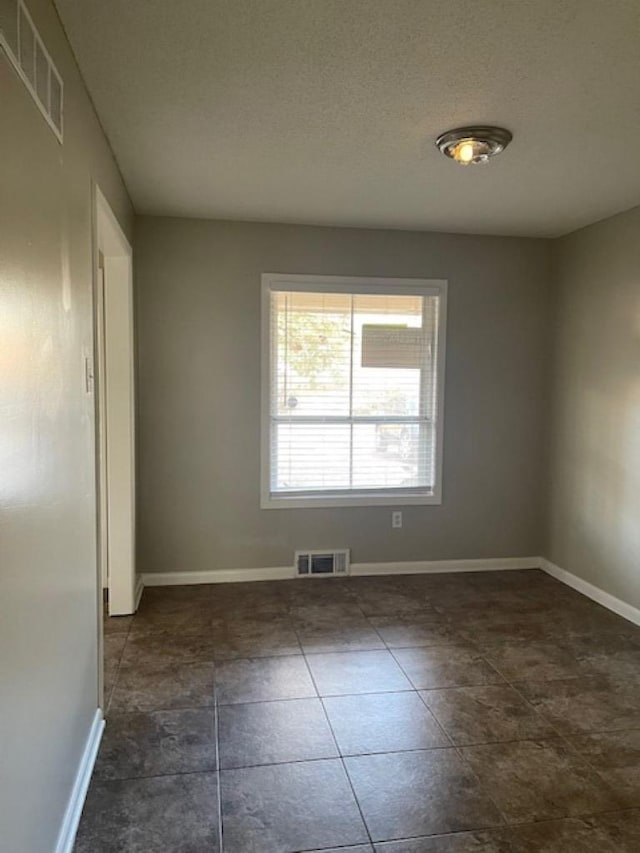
(325,111)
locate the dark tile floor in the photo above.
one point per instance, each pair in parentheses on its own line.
(468,713)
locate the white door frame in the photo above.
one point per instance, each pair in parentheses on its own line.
(115,409)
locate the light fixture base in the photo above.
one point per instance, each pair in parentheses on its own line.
(474,144)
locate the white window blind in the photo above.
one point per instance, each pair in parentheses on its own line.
(353,393)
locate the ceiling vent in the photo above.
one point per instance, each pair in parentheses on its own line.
(313,563)
(25,49)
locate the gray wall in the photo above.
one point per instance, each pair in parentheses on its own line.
(48,579)
(594,523)
(198,304)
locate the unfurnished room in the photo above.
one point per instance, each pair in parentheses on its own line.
(319,426)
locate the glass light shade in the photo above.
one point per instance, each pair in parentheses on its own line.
(470,151)
(471,145)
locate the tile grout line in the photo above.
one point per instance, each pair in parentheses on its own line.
(335,757)
(216,730)
(341,757)
(107,700)
(170,775)
(508,828)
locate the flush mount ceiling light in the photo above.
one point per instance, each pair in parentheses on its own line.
(468,145)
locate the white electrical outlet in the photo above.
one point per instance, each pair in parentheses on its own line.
(396,519)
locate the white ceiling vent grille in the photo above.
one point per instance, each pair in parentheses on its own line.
(310,563)
(22,43)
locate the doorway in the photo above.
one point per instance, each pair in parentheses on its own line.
(115,408)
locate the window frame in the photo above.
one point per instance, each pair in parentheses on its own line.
(348,285)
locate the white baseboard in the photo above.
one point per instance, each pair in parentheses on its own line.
(273,573)
(621,608)
(428,567)
(398,568)
(73,811)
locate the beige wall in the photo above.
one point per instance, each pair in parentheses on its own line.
(198,303)
(594,524)
(48,581)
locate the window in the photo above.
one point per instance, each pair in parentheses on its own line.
(353,373)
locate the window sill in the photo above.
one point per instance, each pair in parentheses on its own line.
(353,500)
